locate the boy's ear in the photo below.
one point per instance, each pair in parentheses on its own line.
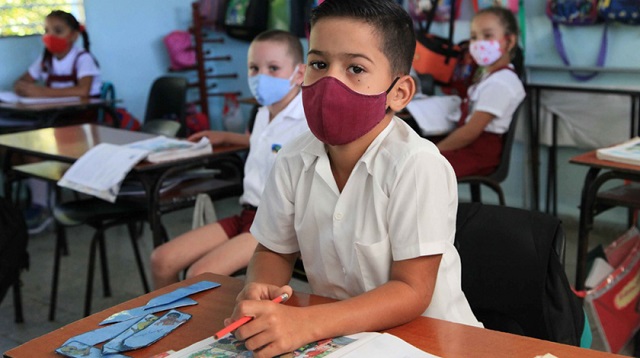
(298,79)
(401,94)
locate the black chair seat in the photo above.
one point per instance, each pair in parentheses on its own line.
(79,212)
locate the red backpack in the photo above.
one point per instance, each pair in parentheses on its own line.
(182,54)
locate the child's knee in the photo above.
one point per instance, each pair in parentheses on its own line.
(160,257)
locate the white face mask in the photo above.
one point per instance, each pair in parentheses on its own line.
(485,52)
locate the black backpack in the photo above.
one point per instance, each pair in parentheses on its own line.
(13,245)
(512,273)
(245,19)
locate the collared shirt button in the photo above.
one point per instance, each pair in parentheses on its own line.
(338,216)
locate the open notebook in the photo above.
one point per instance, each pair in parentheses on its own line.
(11,97)
(367,344)
(101,170)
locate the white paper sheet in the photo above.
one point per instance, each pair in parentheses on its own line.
(100,171)
(11,97)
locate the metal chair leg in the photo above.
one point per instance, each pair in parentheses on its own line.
(17,299)
(104,265)
(92,261)
(136,252)
(60,240)
(476,195)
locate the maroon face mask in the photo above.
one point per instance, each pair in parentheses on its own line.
(55,44)
(338,115)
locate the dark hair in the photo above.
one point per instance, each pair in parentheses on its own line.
(73,23)
(292,42)
(391,22)
(507,20)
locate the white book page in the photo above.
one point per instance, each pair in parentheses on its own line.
(376,345)
(100,171)
(11,97)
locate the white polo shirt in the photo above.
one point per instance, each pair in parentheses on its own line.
(267,138)
(399,203)
(86,66)
(499,93)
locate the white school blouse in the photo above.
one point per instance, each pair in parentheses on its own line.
(267,138)
(86,66)
(499,94)
(399,203)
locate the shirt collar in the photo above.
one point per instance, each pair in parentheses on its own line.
(316,149)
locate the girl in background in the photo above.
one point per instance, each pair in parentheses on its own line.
(63,70)
(474,147)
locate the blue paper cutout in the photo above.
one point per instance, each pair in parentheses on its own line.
(180,293)
(76,349)
(115,345)
(101,334)
(141,311)
(146,334)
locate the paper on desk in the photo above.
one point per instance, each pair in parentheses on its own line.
(162,149)
(11,97)
(142,310)
(100,171)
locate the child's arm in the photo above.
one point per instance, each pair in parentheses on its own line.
(31,89)
(26,77)
(221,137)
(465,135)
(281,329)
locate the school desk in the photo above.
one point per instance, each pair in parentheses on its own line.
(533,97)
(59,147)
(594,201)
(442,338)
(50,114)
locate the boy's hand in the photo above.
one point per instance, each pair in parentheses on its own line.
(215,137)
(275,329)
(261,291)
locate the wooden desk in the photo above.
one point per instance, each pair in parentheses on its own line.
(438,337)
(50,112)
(593,201)
(533,97)
(65,145)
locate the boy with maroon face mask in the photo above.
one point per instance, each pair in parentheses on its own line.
(368,204)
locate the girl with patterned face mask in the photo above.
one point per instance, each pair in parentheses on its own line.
(475,146)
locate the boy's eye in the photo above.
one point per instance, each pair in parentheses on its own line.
(274,68)
(253,69)
(318,65)
(356,69)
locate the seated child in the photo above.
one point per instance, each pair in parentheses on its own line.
(63,70)
(474,148)
(276,70)
(368,204)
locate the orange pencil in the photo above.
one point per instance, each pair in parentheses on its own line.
(236,324)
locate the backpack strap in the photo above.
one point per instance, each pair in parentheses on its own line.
(73,77)
(602,53)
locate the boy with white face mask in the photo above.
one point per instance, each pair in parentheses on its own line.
(474,148)
(276,70)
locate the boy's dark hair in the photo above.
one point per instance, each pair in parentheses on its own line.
(390,21)
(73,23)
(507,20)
(292,42)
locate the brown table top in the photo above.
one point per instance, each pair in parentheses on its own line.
(437,337)
(67,144)
(590,159)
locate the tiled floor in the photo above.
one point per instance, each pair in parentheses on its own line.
(125,279)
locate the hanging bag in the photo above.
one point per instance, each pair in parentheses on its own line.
(575,13)
(622,11)
(436,56)
(614,302)
(245,19)
(182,54)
